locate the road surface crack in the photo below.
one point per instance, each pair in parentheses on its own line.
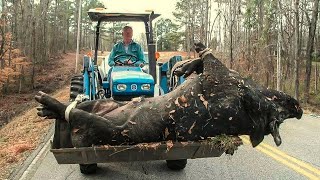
(69,174)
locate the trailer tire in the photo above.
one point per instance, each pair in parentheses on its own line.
(177,164)
(76,87)
(88,168)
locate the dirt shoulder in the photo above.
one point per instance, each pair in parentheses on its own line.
(24,130)
(49,77)
(23,135)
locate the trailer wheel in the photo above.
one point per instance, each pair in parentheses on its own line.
(177,164)
(88,168)
(76,86)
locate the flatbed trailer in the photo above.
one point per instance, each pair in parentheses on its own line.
(147,151)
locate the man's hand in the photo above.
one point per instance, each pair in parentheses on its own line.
(128,62)
(118,63)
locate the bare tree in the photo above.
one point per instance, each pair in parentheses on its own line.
(310,46)
(296,50)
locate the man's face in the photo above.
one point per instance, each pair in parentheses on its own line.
(127,34)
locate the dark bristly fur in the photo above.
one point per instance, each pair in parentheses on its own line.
(213,101)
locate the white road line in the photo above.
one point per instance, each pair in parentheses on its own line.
(43,151)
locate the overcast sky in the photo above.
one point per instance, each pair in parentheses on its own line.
(163,7)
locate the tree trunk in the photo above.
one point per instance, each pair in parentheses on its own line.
(20,78)
(316,79)
(67,30)
(188,32)
(64,29)
(3,16)
(33,53)
(10,47)
(260,20)
(2,51)
(207,23)
(231,45)
(296,51)
(279,46)
(312,30)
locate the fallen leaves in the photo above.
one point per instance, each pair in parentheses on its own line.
(132,122)
(272,98)
(19,148)
(183,99)
(172,111)
(170,114)
(75,130)
(169,145)
(105,146)
(168,105)
(181,102)
(11,159)
(125,132)
(205,102)
(136,100)
(26,130)
(176,102)
(166,133)
(146,146)
(154,145)
(192,126)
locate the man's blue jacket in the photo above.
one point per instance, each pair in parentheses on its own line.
(133,48)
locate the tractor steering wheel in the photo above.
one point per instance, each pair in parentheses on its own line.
(117,59)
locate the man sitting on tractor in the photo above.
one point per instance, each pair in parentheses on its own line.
(126,52)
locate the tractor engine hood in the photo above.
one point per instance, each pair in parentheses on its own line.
(130,75)
(127,82)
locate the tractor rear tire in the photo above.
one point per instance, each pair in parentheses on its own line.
(177,164)
(76,87)
(88,168)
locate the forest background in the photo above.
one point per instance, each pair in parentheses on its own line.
(276,43)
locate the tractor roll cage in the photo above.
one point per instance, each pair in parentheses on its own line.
(100,14)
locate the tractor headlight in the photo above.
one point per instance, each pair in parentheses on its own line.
(121,87)
(145,86)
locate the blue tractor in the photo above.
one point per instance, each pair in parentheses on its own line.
(123,82)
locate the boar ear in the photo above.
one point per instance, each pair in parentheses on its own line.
(199,47)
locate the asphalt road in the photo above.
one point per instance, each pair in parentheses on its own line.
(297,158)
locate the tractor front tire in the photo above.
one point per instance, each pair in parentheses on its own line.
(177,164)
(76,87)
(88,168)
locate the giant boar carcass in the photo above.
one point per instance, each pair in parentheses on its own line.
(212,101)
